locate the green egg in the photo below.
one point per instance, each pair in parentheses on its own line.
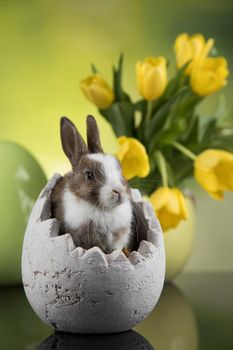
(21,180)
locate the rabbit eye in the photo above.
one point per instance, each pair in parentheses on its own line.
(90,175)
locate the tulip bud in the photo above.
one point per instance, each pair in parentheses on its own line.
(214,171)
(210,76)
(170,206)
(191,48)
(152,77)
(97,91)
(133,157)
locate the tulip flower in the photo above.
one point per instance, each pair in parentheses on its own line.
(210,76)
(152,77)
(170,207)
(191,48)
(214,171)
(133,157)
(97,91)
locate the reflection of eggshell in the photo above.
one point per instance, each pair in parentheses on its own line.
(125,341)
(88,291)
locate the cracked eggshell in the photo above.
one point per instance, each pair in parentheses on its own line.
(87,291)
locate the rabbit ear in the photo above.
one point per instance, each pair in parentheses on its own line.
(93,137)
(72,142)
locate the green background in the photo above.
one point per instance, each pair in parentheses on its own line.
(46,49)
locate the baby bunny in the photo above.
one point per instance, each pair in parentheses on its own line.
(92,202)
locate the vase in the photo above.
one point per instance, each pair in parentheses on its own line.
(179,243)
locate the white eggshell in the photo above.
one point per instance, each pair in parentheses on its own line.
(87,291)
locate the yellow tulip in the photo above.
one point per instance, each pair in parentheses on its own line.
(97,91)
(170,206)
(213,169)
(210,76)
(152,77)
(133,157)
(191,48)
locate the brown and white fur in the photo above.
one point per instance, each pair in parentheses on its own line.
(92,202)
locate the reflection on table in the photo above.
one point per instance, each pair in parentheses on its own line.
(125,341)
(194,314)
(172,324)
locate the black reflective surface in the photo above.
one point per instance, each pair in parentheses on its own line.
(194,313)
(126,341)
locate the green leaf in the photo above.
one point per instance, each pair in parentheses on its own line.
(149,184)
(220,138)
(221,111)
(180,119)
(225,143)
(159,120)
(223,115)
(170,173)
(182,168)
(121,117)
(207,127)
(191,136)
(176,82)
(117,72)
(185,171)
(94,69)
(170,135)
(141,106)
(120,95)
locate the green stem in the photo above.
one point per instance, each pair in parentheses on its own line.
(148,111)
(146,121)
(162,167)
(184,150)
